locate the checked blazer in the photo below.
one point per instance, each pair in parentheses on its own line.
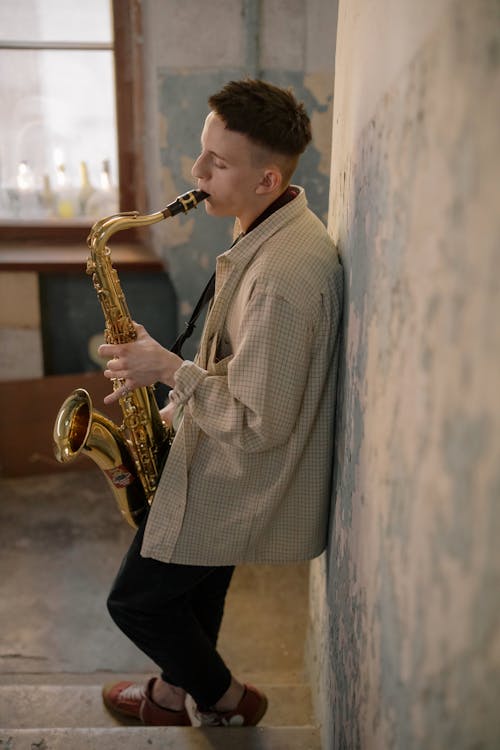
(248,476)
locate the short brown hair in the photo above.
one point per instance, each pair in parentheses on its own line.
(268,115)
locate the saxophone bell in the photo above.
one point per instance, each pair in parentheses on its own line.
(81,430)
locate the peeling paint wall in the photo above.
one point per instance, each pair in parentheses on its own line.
(405,636)
(285,42)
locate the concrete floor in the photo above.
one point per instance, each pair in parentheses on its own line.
(61,542)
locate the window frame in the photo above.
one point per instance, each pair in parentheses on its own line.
(129,102)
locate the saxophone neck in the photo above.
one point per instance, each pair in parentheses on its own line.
(103,229)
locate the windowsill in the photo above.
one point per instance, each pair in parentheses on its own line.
(68,258)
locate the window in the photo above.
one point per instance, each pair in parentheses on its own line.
(70,97)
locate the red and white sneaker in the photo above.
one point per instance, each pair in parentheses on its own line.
(134,701)
(247,713)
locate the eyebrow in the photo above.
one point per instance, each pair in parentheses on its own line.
(217,156)
(211,151)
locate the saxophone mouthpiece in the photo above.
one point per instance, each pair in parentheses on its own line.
(184,203)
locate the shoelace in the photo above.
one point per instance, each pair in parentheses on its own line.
(217,720)
(208,720)
(133,693)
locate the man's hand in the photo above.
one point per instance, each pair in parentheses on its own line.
(139,363)
(167,414)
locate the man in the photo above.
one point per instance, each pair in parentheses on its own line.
(247,479)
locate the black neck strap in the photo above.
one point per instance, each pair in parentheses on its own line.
(205,298)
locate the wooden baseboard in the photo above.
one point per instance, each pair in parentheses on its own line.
(28,409)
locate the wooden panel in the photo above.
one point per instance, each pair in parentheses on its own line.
(28,409)
(19,303)
(128,49)
(73,259)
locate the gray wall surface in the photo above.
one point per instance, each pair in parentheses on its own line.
(405,606)
(286,43)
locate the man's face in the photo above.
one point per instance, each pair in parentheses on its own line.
(227,170)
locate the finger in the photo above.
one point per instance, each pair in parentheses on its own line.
(111,398)
(115,362)
(138,326)
(114,374)
(124,390)
(108,350)
(119,393)
(110,374)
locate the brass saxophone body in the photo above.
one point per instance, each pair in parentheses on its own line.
(131,456)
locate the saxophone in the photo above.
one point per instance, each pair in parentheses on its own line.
(131,455)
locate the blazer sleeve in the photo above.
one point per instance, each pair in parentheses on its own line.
(251,399)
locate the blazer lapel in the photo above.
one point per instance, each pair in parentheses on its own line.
(228,275)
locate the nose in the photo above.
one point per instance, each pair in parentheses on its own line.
(199,169)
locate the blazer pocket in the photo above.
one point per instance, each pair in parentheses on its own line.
(220,367)
(217,360)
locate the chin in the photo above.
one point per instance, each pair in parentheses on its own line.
(211,209)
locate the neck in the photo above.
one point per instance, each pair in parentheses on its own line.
(270,207)
(247,219)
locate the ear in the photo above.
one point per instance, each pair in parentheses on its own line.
(270,181)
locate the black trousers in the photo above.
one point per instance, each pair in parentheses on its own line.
(172,613)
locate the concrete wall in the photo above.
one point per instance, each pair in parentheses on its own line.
(405,633)
(191,50)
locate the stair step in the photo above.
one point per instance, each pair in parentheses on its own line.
(162,738)
(25,706)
